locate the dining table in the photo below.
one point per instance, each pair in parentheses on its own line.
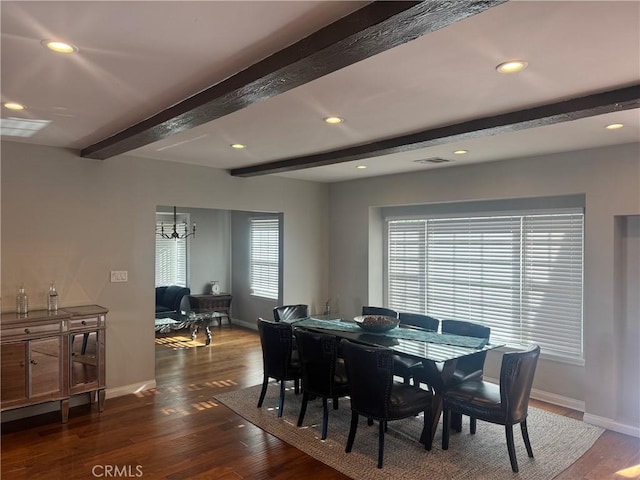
(438,352)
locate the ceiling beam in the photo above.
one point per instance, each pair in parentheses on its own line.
(550,114)
(377,27)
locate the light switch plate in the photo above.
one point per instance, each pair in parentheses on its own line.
(119,276)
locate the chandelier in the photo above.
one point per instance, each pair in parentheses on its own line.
(175,235)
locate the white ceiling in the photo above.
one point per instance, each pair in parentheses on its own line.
(138,58)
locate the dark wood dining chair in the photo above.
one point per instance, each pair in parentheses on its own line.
(376,396)
(323,375)
(276,339)
(403,365)
(471,366)
(467,368)
(505,404)
(285,313)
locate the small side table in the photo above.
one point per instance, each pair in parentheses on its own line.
(203,310)
(220,303)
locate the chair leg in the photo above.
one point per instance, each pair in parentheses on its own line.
(407,380)
(281,402)
(325,417)
(369,421)
(525,437)
(303,407)
(263,392)
(511,447)
(383,427)
(472,425)
(446,420)
(296,386)
(335,403)
(352,431)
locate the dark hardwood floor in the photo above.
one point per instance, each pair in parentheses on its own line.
(177,431)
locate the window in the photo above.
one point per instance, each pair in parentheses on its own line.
(171,258)
(521,275)
(264,261)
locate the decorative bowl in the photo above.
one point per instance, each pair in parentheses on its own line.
(376,323)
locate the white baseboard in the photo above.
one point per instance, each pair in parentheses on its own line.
(558,400)
(130,389)
(249,325)
(609,424)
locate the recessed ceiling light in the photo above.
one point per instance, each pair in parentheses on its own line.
(14,106)
(333,120)
(460,152)
(60,47)
(361,167)
(512,66)
(614,126)
(238,146)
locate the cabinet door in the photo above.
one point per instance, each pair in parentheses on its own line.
(45,367)
(87,355)
(14,372)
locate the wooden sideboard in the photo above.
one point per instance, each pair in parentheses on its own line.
(51,356)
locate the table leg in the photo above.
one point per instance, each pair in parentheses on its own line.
(208,333)
(439,382)
(194,330)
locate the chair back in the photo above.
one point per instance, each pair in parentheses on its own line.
(318,354)
(387,312)
(418,320)
(276,340)
(370,375)
(516,378)
(471,364)
(285,313)
(468,329)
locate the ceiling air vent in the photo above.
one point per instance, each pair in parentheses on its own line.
(432,160)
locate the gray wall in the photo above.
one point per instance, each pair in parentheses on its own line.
(609,181)
(73,220)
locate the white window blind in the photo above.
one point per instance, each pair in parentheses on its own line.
(407,266)
(552,282)
(171,260)
(264,257)
(521,275)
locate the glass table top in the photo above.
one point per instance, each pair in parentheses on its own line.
(415,342)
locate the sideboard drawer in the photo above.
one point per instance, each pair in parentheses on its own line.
(31,330)
(84,323)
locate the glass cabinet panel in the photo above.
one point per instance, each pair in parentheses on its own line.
(45,366)
(13,381)
(85,358)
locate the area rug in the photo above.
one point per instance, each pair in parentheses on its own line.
(557,442)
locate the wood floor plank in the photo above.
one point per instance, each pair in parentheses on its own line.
(178,431)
